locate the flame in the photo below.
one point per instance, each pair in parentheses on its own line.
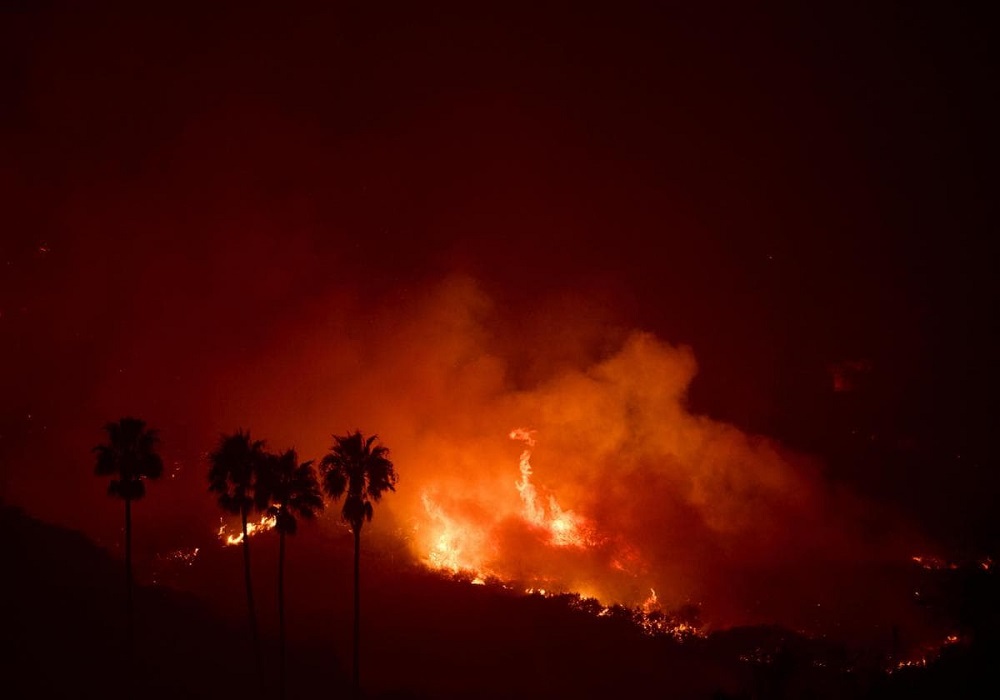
(566,528)
(651,603)
(532,512)
(264,524)
(461,544)
(464,543)
(464,538)
(456,547)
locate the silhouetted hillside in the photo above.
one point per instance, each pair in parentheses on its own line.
(63,626)
(424,636)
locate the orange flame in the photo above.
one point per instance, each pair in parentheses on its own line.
(265,524)
(566,528)
(458,542)
(651,603)
(532,512)
(463,543)
(455,547)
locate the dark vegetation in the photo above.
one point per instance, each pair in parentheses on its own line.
(248,478)
(130,456)
(359,470)
(63,631)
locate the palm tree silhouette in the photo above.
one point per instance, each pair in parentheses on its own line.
(293,492)
(235,466)
(361,469)
(130,456)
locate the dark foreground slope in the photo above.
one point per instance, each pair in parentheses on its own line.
(63,626)
(425,637)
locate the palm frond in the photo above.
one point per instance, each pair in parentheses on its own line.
(291,489)
(233,472)
(361,468)
(130,454)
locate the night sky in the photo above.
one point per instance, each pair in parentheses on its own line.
(236,217)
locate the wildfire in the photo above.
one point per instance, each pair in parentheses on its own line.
(926,654)
(459,544)
(460,540)
(265,523)
(457,547)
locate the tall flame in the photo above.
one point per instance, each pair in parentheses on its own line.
(565,527)
(532,512)
(458,542)
(506,545)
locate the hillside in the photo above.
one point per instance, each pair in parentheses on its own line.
(424,636)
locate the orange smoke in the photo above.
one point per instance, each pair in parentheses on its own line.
(616,489)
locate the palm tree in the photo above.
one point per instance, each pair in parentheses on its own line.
(361,469)
(233,474)
(293,492)
(130,456)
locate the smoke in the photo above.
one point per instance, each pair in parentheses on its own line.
(274,234)
(255,287)
(214,334)
(663,498)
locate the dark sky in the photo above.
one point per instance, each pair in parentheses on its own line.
(793,193)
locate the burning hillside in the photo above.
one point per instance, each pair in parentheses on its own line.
(575,467)
(572,466)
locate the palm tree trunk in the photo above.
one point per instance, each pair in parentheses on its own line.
(357,610)
(252,615)
(281,615)
(128,582)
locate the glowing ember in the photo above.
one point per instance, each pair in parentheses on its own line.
(184,556)
(926,654)
(933,563)
(165,566)
(265,523)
